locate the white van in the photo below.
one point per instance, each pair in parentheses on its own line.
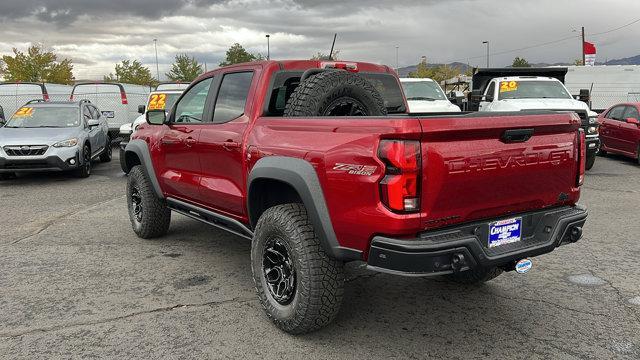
(426,96)
(15,94)
(117,102)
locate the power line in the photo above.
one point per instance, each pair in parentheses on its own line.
(573,37)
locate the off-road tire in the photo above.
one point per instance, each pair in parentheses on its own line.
(591,159)
(107,153)
(319,279)
(123,161)
(475,276)
(317,94)
(84,167)
(155,216)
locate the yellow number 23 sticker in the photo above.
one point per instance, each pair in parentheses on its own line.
(24,112)
(157,101)
(508,86)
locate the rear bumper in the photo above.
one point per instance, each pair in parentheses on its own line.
(464,247)
(49,163)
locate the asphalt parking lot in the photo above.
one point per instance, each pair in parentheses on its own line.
(76,282)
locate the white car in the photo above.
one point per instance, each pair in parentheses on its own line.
(426,96)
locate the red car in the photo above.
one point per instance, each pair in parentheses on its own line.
(318,164)
(620,130)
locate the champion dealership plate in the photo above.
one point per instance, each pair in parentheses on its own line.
(505,232)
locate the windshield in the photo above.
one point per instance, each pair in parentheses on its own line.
(532,89)
(41,117)
(423,90)
(162,101)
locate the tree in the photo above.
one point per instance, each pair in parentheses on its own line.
(132,72)
(184,69)
(321,56)
(36,65)
(520,62)
(237,54)
(437,73)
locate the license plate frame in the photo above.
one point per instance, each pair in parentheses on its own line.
(504,232)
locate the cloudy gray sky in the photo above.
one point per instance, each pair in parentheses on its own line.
(97,34)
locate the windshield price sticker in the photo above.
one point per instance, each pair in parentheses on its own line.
(24,112)
(506,86)
(157,102)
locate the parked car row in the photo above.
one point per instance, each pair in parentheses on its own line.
(54,136)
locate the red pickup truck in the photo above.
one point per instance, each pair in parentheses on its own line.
(319,163)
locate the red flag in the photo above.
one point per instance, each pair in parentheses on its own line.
(589,48)
(589,53)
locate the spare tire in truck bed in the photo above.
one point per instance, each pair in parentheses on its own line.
(335,93)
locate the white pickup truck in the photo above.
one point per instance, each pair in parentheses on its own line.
(522,91)
(424,95)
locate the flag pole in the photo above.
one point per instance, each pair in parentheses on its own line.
(583,56)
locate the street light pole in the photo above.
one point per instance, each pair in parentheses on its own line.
(268,47)
(487,43)
(155,45)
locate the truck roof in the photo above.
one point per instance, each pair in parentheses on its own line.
(416,79)
(301,65)
(526,78)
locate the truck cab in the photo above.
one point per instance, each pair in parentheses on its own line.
(526,89)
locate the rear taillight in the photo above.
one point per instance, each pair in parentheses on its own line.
(582,156)
(123,96)
(399,189)
(45,97)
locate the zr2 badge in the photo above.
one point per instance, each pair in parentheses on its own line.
(355,169)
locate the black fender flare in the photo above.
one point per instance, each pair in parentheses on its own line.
(302,177)
(141,149)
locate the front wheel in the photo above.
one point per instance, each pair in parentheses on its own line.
(149,215)
(299,285)
(7,176)
(84,170)
(591,159)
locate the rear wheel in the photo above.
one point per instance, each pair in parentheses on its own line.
(149,215)
(475,276)
(84,171)
(335,93)
(107,153)
(299,285)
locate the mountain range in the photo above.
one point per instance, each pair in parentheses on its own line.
(632,60)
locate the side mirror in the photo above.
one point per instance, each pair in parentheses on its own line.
(156,117)
(488,98)
(141,109)
(91,123)
(633,121)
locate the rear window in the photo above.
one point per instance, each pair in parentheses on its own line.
(285,82)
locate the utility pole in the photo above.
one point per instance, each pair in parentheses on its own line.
(397,66)
(268,47)
(582,47)
(155,45)
(487,43)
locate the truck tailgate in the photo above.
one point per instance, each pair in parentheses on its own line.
(472,170)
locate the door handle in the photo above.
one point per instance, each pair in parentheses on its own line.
(230,145)
(165,141)
(190,141)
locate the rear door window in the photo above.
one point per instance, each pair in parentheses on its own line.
(232,96)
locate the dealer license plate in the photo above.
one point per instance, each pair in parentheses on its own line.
(505,232)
